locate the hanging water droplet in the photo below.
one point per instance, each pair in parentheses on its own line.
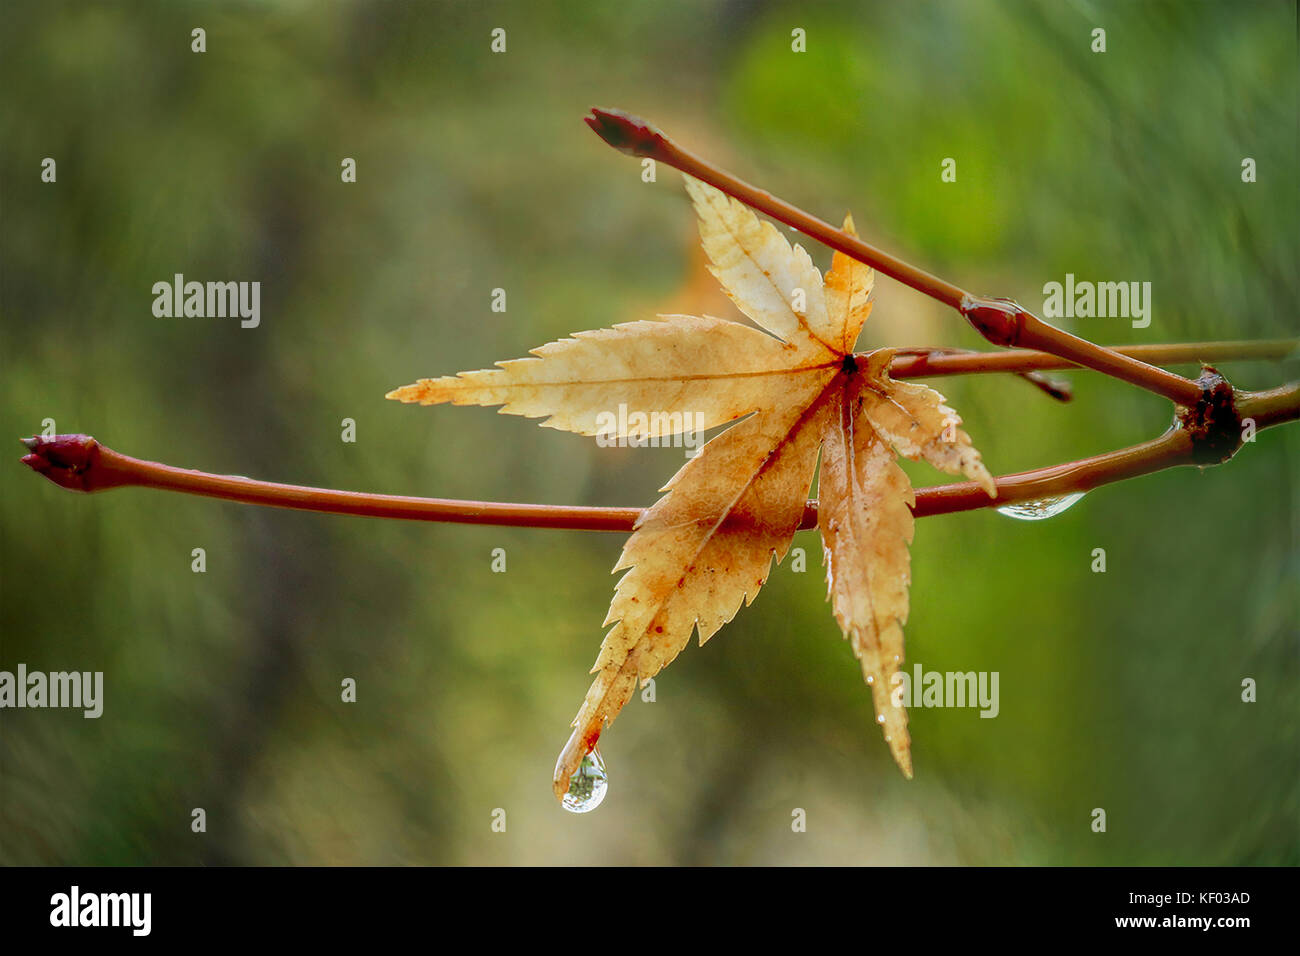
(1041,508)
(587,786)
(880,718)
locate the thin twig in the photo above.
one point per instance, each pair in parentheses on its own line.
(1001,321)
(1274,406)
(926,362)
(1051,387)
(80,463)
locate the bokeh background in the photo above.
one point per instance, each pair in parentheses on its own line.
(1118,690)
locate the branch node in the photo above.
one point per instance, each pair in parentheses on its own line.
(64,459)
(998,320)
(1213,423)
(626,133)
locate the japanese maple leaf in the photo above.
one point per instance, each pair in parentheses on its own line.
(708,543)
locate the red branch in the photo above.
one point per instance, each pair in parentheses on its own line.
(926,362)
(80,463)
(1208,429)
(1001,321)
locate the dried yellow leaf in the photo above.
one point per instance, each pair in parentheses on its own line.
(706,547)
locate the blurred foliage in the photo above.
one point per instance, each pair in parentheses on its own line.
(1118,690)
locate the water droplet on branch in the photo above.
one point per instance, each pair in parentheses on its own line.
(587,786)
(1041,508)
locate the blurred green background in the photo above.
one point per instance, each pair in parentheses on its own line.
(1118,690)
